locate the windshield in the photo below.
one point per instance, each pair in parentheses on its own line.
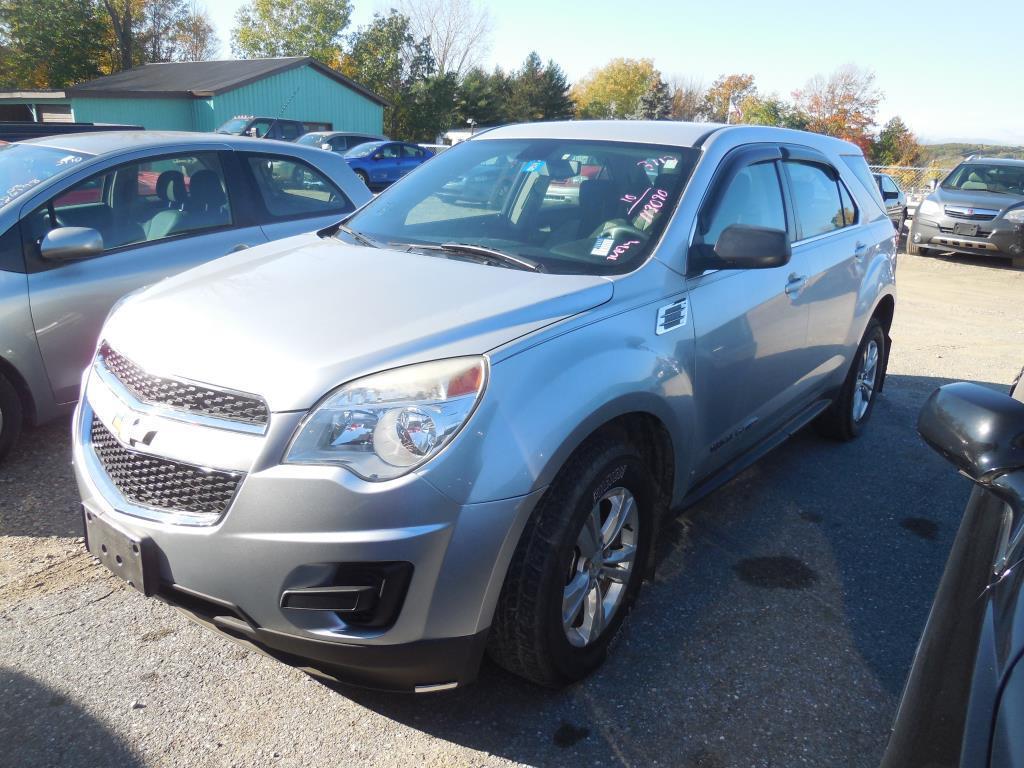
(1004,179)
(316,139)
(364,149)
(574,207)
(23,166)
(236,125)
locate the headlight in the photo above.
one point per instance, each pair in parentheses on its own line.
(385,425)
(1015,215)
(929,208)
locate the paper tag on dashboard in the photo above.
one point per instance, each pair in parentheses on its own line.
(602,246)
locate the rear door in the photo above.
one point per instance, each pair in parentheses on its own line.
(144,242)
(289,196)
(750,325)
(830,251)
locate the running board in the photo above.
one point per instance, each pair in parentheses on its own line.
(720,477)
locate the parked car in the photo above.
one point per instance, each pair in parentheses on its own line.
(337,141)
(964,698)
(977,209)
(87,218)
(434,429)
(379,163)
(894,200)
(269,127)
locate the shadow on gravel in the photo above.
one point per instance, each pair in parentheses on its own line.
(38,495)
(993,262)
(781,623)
(40,727)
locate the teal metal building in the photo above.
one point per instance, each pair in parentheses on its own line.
(201,95)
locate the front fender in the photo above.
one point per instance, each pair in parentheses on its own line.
(542,403)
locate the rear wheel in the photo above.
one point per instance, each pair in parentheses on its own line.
(846,418)
(11,416)
(578,566)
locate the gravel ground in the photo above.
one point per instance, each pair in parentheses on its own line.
(778,631)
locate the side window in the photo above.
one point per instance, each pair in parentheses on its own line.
(816,200)
(408,150)
(142,202)
(389,151)
(290,131)
(259,128)
(753,197)
(849,207)
(339,144)
(290,188)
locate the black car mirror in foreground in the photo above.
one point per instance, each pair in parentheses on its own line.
(981,432)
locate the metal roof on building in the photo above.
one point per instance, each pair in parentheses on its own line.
(202,79)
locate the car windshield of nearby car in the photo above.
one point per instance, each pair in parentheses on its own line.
(981,177)
(313,139)
(365,149)
(566,206)
(23,166)
(235,125)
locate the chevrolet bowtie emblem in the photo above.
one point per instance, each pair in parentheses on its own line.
(131,431)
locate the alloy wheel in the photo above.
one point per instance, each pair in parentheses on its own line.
(601,566)
(864,386)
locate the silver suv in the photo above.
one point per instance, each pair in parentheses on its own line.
(977,209)
(450,426)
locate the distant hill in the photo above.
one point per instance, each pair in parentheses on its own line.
(948,155)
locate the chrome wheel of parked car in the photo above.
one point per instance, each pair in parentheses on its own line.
(600,567)
(867,375)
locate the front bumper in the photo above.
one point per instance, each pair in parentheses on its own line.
(997,237)
(292,528)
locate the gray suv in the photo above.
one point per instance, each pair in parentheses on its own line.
(977,209)
(87,218)
(444,427)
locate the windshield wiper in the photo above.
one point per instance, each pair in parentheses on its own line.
(359,237)
(520,262)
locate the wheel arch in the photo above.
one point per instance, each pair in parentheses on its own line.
(28,403)
(884,311)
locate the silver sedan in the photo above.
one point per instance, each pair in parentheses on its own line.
(88,218)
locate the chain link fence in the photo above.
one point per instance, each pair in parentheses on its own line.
(911,179)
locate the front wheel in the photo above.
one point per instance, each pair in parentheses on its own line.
(11,416)
(578,566)
(363,177)
(846,418)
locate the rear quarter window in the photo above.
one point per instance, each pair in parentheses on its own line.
(859,168)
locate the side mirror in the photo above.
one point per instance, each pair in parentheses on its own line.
(981,432)
(70,244)
(890,195)
(378,156)
(326,146)
(741,246)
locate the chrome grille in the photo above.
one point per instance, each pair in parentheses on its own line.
(155,482)
(970,214)
(182,395)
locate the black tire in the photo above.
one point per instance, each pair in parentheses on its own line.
(363,177)
(11,416)
(839,421)
(913,249)
(527,636)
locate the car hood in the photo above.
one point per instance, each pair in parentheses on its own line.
(975,198)
(292,319)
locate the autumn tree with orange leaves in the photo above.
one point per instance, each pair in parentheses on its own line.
(844,104)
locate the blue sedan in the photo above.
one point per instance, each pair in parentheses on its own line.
(379,163)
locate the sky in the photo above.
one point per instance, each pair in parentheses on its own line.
(949,69)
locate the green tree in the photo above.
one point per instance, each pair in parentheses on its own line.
(50,43)
(687,99)
(269,28)
(771,110)
(656,101)
(385,57)
(896,145)
(429,108)
(725,91)
(484,97)
(158,33)
(124,18)
(539,92)
(614,90)
(196,37)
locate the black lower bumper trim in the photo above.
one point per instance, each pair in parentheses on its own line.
(404,667)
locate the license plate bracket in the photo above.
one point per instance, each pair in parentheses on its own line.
(967,230)
(126,555)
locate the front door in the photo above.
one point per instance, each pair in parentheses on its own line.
(750,325)
(157,217)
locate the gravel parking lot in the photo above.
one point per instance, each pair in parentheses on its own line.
(778,631)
